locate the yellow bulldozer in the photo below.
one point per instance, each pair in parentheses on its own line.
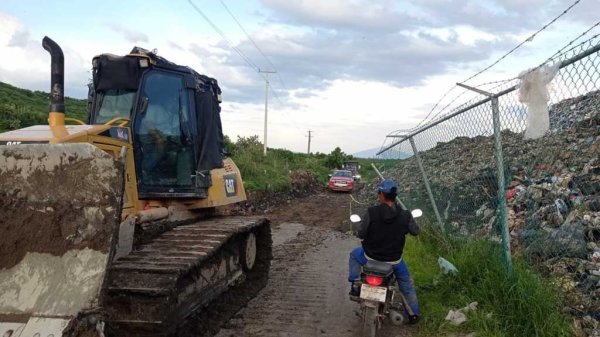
(108,226)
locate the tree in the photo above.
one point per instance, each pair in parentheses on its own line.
(336,158)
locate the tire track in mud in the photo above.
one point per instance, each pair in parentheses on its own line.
(285,306)
(307,291)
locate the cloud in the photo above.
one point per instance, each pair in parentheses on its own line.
(313,42)
(175,45)
(20,38)
(25,64)
(308,60)
(12,32)
(506,16)
(353,15)
(129,34)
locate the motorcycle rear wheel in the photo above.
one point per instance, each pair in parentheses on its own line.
(369,323)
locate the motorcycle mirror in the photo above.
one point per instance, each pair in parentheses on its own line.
(416,213)
(355,218)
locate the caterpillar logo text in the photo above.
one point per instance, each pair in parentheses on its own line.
(230,188)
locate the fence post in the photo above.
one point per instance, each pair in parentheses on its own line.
(502,217)
(426,181)
(502,214)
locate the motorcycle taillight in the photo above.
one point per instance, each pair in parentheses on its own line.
(373,280)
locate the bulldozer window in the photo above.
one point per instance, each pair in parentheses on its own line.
(165,151)
(114,103)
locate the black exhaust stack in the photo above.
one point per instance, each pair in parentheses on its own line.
(57,75)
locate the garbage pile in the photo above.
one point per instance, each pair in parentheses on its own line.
(302,183)
(553,195)
(569,112)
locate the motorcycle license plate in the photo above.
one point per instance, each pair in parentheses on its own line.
(372,293)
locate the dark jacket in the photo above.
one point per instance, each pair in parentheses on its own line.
(383,230)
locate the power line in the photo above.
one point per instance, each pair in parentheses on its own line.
(248,61)
(530,38)
(259,50)
(214,26)
(253,43)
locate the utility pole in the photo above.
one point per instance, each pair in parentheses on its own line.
(266,72)
(309,136)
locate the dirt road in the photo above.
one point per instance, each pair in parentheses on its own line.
(307,290)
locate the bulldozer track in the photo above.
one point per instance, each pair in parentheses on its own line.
(166,287)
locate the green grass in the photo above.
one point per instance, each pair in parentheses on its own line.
(20,108)
(522,305)
(272,172)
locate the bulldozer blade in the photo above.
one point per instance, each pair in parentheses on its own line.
(60,208)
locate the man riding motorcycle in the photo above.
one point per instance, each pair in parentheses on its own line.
(383,229)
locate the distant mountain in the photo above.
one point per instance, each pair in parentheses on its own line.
(390,154)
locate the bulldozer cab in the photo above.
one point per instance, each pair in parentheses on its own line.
(173,113)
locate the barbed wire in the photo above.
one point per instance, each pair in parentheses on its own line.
(429,118)
(562,51)
(529,39)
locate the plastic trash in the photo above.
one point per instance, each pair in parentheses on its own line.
(458,317)
(561,206)
(596,256)
(533,92)
(446,267)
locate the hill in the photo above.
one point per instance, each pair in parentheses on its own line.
(20,108)
(372,153)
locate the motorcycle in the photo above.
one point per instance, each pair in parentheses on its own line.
(380,296)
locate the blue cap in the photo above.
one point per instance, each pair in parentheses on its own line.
(386,186)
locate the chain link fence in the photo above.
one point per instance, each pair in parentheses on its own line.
(539,198)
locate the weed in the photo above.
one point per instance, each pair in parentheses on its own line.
(523,304)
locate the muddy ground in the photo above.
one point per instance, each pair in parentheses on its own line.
(306,294)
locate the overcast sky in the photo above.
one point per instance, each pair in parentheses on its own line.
(351,71)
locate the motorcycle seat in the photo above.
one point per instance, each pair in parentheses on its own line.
(378,268)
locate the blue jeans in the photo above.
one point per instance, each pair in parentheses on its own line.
(358,259)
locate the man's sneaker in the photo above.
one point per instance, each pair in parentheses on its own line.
(413,319)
